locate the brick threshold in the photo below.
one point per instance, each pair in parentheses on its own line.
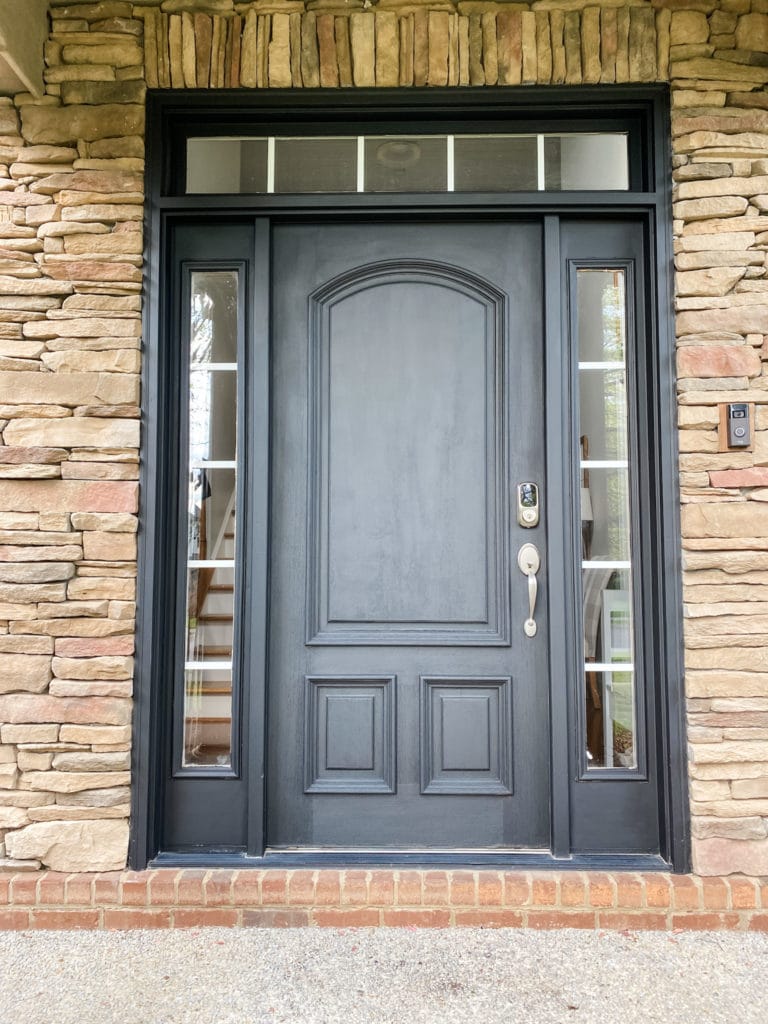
(354,898)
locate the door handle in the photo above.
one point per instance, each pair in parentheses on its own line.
(528,560)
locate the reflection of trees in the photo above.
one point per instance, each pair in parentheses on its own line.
(615,405)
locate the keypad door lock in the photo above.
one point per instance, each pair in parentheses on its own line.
(527,505)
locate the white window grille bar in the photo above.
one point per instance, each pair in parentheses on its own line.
(205,367)
(361,163)
(616,666)
(211,563)
(213,464)
(214,666)
(540,179)
(606,565)
(604,464)
(601,366)
(449,164)
(271,164)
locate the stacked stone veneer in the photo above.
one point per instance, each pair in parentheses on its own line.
(71,194)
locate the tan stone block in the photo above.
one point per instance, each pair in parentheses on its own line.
(52,125)
(74,627)
(38,572)
(71,390)
(700,209)
(82,271)
(16,553)
(96,797)
(89,762)
(750,319)
(91,688)
(91,432)
(750,789)
(13,817)
(21,644)
(387,64)
(731,808)
(33,761)
(694,417)
(93,734)
(715,281)
(72,845)
(726,683)
(107,667)
(77,361)
(731,241)
(715,360)
(730,828)
(73,782)
(740,478)
(714,790)
(728,772)
(96,588)
(89,647)
(698,441)
(752,32)
(73,609)
(22,708)
(29,733)
(8,776)
(61,813)
(84,327)
(24,672)
(722,258)
(109,546)
(725,520)
(734,186)
(112,523)
(688,26)
(7,754)
(11,610)
(120,243)
(30,472)
(123,610)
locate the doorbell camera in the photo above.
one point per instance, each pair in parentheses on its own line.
(737,420)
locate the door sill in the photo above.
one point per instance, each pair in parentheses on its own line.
(535,860)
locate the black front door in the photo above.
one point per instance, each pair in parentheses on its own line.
(406,705)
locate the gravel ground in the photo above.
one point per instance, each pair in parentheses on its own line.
(367,976)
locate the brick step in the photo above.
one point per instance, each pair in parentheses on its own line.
(436,898)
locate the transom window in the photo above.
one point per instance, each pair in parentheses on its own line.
(407,163)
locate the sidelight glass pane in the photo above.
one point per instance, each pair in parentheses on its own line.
(606,530)
(207,716)
(211,486)
(406,164)
(495,163)
(603,411)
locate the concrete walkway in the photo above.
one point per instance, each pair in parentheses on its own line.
(366,976)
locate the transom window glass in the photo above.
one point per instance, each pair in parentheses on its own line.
(403,163)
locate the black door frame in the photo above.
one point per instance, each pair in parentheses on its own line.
(641,111)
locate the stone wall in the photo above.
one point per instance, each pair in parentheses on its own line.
(71,194)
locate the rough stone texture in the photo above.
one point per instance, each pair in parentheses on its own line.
(72,845)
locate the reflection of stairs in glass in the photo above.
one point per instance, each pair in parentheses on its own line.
(209,694)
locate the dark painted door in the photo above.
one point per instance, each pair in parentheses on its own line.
(407,707)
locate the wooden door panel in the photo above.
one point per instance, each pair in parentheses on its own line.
(406,464)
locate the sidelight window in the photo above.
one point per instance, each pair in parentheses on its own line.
(606,531)
(210,479)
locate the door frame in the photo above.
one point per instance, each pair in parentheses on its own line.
(643,112)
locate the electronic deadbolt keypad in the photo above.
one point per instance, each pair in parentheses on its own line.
(528,505)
